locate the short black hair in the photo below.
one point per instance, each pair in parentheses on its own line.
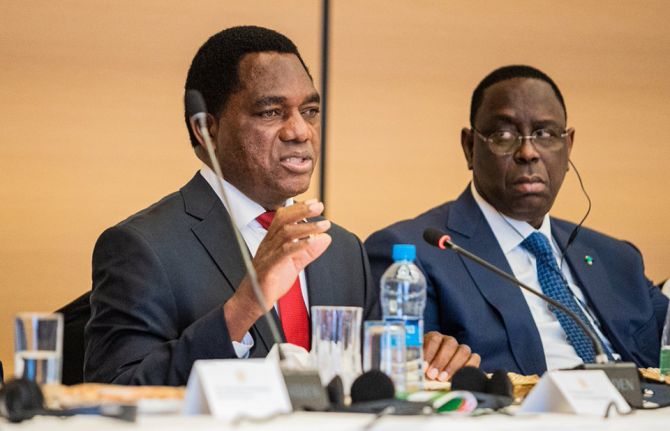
(510,72)
(214,71)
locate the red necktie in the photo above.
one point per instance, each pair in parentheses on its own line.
(292,310)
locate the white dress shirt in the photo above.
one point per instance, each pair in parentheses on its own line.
(510,233)
(245,211)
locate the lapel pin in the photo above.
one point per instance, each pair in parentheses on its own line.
(589,260)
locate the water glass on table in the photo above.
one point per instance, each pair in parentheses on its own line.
(336,343)
(38,347)
(384,350)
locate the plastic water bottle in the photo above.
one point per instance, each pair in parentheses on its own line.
(664,362)
(403,298)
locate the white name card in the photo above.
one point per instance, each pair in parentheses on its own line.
(577,392)
(236,388)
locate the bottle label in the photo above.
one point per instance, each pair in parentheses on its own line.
(413,331)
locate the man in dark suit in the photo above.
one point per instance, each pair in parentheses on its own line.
(169,285)
(518,148)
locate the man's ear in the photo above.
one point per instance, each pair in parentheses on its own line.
(211,127)
(467,143)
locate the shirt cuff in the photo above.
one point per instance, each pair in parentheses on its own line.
(242,347)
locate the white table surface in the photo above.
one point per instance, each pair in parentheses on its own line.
(638,421)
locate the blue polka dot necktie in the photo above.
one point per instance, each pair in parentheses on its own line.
(554,286)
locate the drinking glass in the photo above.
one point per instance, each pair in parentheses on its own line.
(38,346)
(336,343)
(384,350)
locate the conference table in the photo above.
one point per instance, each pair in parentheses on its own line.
(638,421)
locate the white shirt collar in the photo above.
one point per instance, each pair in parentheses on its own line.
(509,232)
(245,210)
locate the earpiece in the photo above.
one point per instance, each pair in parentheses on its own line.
(576,229)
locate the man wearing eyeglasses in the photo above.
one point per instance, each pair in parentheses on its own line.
(518,147)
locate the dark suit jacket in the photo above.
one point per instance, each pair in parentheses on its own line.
(492,316)
(161,277)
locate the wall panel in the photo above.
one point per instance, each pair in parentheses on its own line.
(92,118)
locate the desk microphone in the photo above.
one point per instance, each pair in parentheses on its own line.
(304,387)
(623,375)
(373,392)
(443,241)
(495,392)
(22,399)
(197,112)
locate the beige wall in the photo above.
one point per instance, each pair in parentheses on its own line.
(92,122)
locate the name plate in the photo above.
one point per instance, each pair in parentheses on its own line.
(236,388)
(577,392)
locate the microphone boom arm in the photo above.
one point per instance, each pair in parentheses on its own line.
(445,242)
(201,119)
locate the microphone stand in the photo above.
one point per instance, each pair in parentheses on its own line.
(195,101)
(600,357)
(304,387)
(623,375)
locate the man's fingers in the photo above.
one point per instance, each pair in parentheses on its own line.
(444,356)
(458,360)
(474,361)
(298,211)
(277,273)
(291,232)
(290,223)
(291,257)
(304,251)
(431,344)
(448,348)
(289,246)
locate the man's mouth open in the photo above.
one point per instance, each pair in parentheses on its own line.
(297,164)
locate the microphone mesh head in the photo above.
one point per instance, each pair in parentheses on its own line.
(499,384)
(20,399)
(434,237)
(372,385)
(469,379)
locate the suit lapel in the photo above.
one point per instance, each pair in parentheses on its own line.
(316,275)
(592,280)
(215,233)
(523,336)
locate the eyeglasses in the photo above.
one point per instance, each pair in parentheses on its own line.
(505,142)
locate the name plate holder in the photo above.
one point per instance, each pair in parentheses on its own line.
(576,392)
(231,389)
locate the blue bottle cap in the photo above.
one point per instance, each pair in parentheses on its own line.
(404,252)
